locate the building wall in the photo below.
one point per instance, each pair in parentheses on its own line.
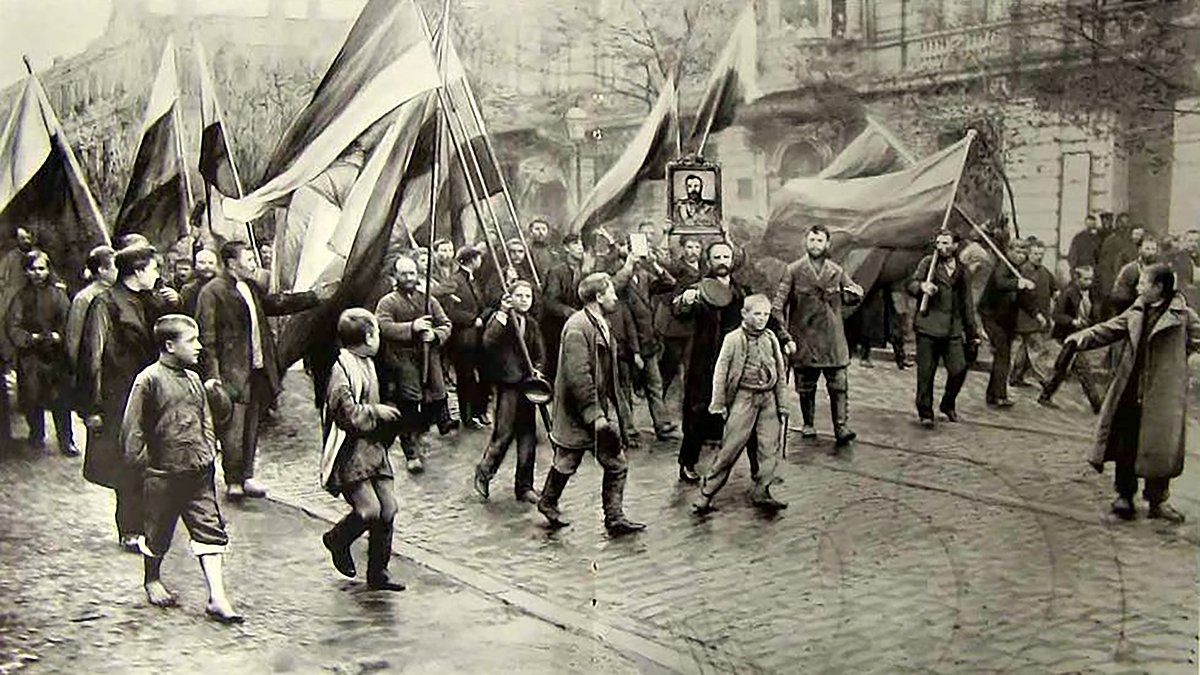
(1185,197)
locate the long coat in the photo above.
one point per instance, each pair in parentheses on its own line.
(506,362)
(466,304)
(948,313)
(402,355)
(1164,381)
(711,324)
(224,322)
(808,311)
(118,343)
(667,322)
(43,369)
(585,386)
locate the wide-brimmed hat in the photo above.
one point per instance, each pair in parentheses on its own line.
(715,293)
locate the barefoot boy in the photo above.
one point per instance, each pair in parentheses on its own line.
(169,434)
(748,392)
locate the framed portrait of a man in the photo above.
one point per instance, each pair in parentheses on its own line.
(694,197)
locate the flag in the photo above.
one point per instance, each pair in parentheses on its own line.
(873,152)
(216,163)
(734,80)
(385,61)
(42,187)
(645,158)
(903,209)
(156,199)
(359,240)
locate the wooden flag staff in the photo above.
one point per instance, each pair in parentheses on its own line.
(949,207)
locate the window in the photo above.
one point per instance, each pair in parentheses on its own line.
(745,189)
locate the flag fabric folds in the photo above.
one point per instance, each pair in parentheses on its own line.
(873,152)
(902,209)
(734,81)
(385,61)
(645,158)
(156,202)
(42,187)
(216,162)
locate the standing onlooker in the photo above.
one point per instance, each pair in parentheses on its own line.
(676,331)
(1118,249)
(1075,308)
(560,297)
(102,268)
(239,352)
(118,342)
(1030,336)
(808,312)
(587,413)
(1125,289)
(946,330)
(638,282)
(12,279)
(204,269)
(1003,296)
(1143,420)
(1085,245)
(37,322)
(467,309)
(542,254)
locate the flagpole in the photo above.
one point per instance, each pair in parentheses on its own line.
(487,141)
(207,186)
(462,129)
(988,240)
(709,122)
(891,139)
(950,208)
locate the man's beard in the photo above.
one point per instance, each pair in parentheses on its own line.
(407,286)
(812,253)
(721,270)
(205,274)
(694,196)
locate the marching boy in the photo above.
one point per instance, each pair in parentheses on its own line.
(511,371)
(168,434)
(749,390)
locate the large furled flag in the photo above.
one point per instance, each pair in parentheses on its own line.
(385,61)
(902,209)
(42,187)
(216,160)
(645,158)
(157,201)
(734,81)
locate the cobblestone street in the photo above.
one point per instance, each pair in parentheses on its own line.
(73,601)
(984,545)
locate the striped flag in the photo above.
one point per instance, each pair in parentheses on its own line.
(385,61)
(43,189)
(645,158)
(216,156)
(873,152)
(157,198)
(734,81)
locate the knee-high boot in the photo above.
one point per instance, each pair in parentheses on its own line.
(556,482)
(839,406)
(808,407)
(613,496)
(379,554)
(339,538)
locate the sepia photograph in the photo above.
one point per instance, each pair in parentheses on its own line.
(620,336)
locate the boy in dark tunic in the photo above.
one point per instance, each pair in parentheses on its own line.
(358,431)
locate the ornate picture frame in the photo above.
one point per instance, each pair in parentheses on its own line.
(691,212)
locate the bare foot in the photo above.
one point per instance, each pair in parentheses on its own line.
(222,612)
(158,595)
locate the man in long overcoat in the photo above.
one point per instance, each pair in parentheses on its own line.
(1143,418)
(412,339)
(808,313)
(118,342)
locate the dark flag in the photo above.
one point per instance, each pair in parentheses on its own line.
(645,158)
(156,199)
(734,81)
(42,187)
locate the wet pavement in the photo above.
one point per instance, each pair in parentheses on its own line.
(983,545)
(72,602)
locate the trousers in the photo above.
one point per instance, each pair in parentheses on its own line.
(516,419)
(239,442)
(751,414)
(188,495)
(1027,347)
(1000,337)
(930,350)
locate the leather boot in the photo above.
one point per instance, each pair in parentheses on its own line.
(556,482)
(613,496)
(808,411)
(839,408)
(338,540)
(379,554)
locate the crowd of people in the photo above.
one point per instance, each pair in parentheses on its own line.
(170,359)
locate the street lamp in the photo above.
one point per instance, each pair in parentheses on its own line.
(577,119)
